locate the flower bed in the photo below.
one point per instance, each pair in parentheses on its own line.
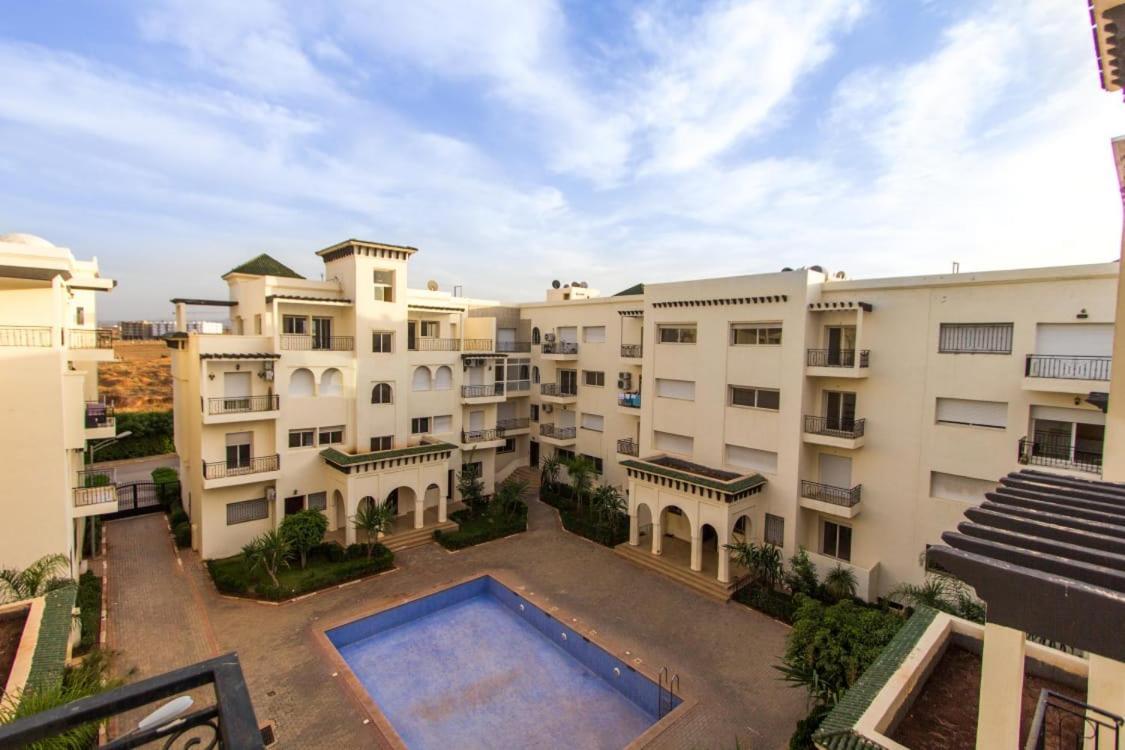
(328,564)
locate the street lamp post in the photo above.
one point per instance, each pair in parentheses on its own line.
(93,448)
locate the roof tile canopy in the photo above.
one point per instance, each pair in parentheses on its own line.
(264,265)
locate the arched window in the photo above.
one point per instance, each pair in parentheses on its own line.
(535,375)
(444,379)
(331,382)
(382,394)
(421,380)
(535,335)
(302,383)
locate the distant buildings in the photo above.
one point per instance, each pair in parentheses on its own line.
(155,329)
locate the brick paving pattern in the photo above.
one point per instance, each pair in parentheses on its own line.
(723,652)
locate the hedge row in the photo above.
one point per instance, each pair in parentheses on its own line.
(152,436)
(477,529)
(582,521)
(329,564)
(777,604)
(90,603)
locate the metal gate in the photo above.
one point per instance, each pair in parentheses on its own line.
(145,497)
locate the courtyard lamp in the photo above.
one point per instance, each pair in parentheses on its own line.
(104,443)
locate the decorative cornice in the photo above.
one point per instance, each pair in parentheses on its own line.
(299,298)
(840,305)
(762,300)
(682,481)
(369,249)
(631,313)
(256,355)
(356,463)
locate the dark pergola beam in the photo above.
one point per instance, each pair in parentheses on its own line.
(1057,519)
(1037,528)
(1045,544)
(1067,483)
(1057,506)
(1075,493)
(1095,575)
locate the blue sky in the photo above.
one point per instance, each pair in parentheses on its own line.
(518,142)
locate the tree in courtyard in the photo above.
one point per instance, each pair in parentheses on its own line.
(549,471)
(609,507)
(305,530)
(941,592)
(270,552)
(471,485)
(762,560)
(43,575)
(840,583)
(508,498)
(371,520)
(801,578)
(580,470)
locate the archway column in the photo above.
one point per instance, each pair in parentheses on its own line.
(657,533)
(419,509)
(349,527)
(696,551)
(724,559)
(442,506)
(634,528)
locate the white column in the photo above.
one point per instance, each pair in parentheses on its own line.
(442,507)
(858,337)
(349,528)
(724,558)
(181,317)
(657,535)
(1001,688)
(1105,689)
(634,529)
(419,510)
(696,552)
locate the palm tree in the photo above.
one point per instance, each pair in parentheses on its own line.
(41,576)
(581,473)
(549,471)
(270,551)
(840,583)
(943,593)
(508,496)
(763,561)
(371,520)
(609,506)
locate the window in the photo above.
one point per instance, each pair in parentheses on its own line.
(302,383)
(382,394)
(80,316)
(535,374)
(443,381)
(318,501)
(421,380)
(595,422)
(331,435)
(568,382)
(294,324)
(836,541)
(384,286)
(975,338)
(593,334)
(239,449)
(476,468)
(757,398)
(303,438)
(508,447)
(535,335)
(591,377)
(331,382)
(419,425)
(564,455)
(535,412)
(382,342)
(755,334)
(973,413)
(673,443)
(680,389)
(382,443)
(428,329)
(443,424)
(682,334)
(599,467)
(247,510)
(775,530)
(751,458)
(956,487)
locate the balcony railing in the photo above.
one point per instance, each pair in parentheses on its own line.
(1062,722)
(513,346)
(1067,367)
(480,436)
(558,433)
(229,722)
(243,404)
(827,493)
(482,391)
(837,357)
(25,336)
(428,344)
(559,347)
(295,342)
(90,338)
(834,426)
(554,389)
(95,486)
(99,414)
(517,385)
(629,399)
(631,350)
(256,465)
(628,446)
(513,423)
(476,345)
(1045,449)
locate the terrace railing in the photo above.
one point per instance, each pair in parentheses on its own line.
(558,433)
(99,414)
(629,399)
(256,465)
(1062,722)
(834,426)
(559,347)
(480,436)
(827,493)
(1067,367)
(513,423)
(513,347)
(243,404)
(482,391)
(837,357)
(634,351)
(476,345)
(95,486)
(628,446)
(296,342)
(25,336)
(1044,449)
(427,344)
(90,338)
(554,389)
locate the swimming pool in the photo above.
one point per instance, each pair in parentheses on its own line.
(478,665)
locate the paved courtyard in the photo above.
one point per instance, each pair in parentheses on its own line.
(163,616)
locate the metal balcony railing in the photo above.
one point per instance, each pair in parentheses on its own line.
(480,436)
(427,344)
(482,391)
(99,414)
(1062,722)
(90,338)
(558,433)
(511,347)
(1067,367)
(1045,449)
(513,423)
(827,493)
(631,350)
(834,426)
(95,486)
(837,357)
(25,336)
(628,446)
(476,345)
(243,404)
(295,342)
(256,465)
(554,389)
(629,399)
(559,347)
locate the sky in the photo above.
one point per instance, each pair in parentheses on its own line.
(513,143)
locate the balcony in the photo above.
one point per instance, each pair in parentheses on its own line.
(1045,450)
(25,336)
(827,498)
(428,344)
(488,438)
(837,363)
(554,393)
(95,493)
(482,394)
(559,350)
(90,344)
(476,345)
(241,408)
(1064,373)
(517,387)
(100,421)
(629,402)
(513,426)
(561,436)
(513,347)
(632,351)
(834,431)
(628,447)
(227,473)
(293,342)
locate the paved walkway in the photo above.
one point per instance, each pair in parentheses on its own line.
(723,652)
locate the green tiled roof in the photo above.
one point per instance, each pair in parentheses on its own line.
(732,487)
(264,265)
(635,289)
(49,660)
(339,458)
(837,731)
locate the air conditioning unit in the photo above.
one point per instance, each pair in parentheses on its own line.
(547,408)
(549,338)
(271,494)
(625,381)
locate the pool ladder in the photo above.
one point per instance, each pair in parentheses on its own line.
(666,686)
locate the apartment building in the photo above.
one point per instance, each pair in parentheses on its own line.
(50,347)
(356,389)
(854,418)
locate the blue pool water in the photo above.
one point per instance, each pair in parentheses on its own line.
(468,668)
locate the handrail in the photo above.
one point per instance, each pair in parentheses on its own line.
(428,344)
(554,389)
(89,338)
(513,346)
(303,342)
(836,357)
(99,414)
(559,347)
(480,436)
(482,391)
(1045,450)
(256,465)
(1085,723)
(243,404)
(25,336)
(630,399)
(632,350)
(476,345)
(827,493)
(558,433)
(628,446)
(513,423)
(834,426)
(1067,367)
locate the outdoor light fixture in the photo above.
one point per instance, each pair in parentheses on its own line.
(1082,314)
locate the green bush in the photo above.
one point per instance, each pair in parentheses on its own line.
(479,527)
(152,436)
(776,604)
(177,516)
(331,551)
(164,475)
(584,521)
(232,576)
(304,530)
(802,739)
(355,551)
(182,533)
(90,603)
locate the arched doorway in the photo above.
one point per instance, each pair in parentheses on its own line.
(741,531)
(709,538)
(338,507)
(433,496)
(644,525)
(675,536)
(401,501)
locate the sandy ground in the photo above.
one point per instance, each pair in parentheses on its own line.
(140,379)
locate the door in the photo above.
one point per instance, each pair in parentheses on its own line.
(238,450)
(476,420)
(322,333)
(568,381)
(836,471)
(294,504)
(534,453)
(841,346)
(839,411)
(236,391)
(476,376)
(412,335)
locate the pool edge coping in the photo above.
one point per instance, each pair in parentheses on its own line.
(382,725)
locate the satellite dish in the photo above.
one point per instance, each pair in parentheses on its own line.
(585,285)
(575,283)
(555,284)
(432,285)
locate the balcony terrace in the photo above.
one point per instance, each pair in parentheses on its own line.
(482,394)
(487,438)
(25,336)
(554,393)
(1059,373)
(100,420)
(826,498)
(228,473)
(837,363)
(560,436)
(1044,449)
(632,351)
(559,350)
(95,493)
(834,431)
(224,409)
(294,342)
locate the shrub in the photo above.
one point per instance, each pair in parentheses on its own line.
(802,739)
(840,583)
(165,474)
(152,435)
(331,551)
(182,534)
(776,604)
(585,521)
(477,529)
(355,551)
(304,530)
(177,516)
(233,576)
(90,605)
